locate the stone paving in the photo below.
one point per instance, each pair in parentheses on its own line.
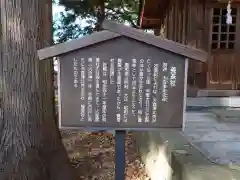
(217,140)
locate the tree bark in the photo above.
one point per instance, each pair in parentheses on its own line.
(30,144)
(100,14)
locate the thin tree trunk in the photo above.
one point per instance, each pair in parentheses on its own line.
(30,145)
(100,14)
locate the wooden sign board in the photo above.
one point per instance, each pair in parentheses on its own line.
(122,79)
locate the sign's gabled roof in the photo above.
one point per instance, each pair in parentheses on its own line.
(157,41)
(75,44)
(113,30)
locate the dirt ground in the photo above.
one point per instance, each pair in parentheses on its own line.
(92,154)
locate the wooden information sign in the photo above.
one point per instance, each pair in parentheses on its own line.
(122,78)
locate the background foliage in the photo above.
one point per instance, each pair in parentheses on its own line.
(82,17)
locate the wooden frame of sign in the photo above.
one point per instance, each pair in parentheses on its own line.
(122,78)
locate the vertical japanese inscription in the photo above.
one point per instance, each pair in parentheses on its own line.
(155,92)
(82,79)
(173,78)
(119,92)
(104,91)
(97,110)
(75,73)
(165,82)
(82,88)
(126,87)
(134,86)
(112,71)
(90,95)
(148,91)
(140,90)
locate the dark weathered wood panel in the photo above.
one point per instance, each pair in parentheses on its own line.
(152,13)
(189,22)
(223,71)
(195,38)
(223,64)
(184,23)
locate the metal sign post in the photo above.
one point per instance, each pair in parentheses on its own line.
(120,154)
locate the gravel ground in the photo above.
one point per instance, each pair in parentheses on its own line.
(92,155)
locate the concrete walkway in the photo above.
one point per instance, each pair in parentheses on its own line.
(215,137)
(207,149)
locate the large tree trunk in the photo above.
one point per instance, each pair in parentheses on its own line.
(30,145)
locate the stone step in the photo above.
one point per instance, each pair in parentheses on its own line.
(194,92)
(213,102)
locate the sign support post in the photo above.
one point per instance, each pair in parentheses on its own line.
(120,154)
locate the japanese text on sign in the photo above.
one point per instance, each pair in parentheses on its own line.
(139,85)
